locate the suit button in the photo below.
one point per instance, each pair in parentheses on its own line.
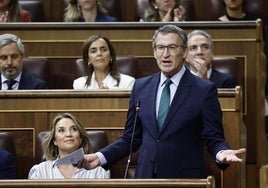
(157,140)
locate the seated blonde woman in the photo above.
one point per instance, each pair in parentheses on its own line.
(66,135)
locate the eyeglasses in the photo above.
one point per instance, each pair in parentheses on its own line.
(171,48)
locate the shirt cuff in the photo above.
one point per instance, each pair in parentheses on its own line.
(101,157)
(217,156)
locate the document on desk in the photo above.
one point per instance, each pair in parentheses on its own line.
(72,158)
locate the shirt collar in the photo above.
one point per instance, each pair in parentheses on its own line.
(175,78)
(4,78)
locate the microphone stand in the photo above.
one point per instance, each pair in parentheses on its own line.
(132,138)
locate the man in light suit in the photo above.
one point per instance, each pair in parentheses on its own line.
(7,168)
(11,55)
(194,118)
(200,57)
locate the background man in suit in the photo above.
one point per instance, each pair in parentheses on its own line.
(12,76)
(7,169)
(173,149)
(200,57)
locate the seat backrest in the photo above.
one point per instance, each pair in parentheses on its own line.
(126,64)
(98,140)
(35,9)
(230,65)
(39,68)
(7,142)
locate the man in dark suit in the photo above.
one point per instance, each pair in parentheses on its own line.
(7,169)
(174,148)
(200,57)
(12,76)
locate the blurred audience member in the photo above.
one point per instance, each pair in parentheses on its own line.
(235,12)
(99,67)
(199,60)
(87,11)
(7,168)
(11,11)
(11,55)
(164,10)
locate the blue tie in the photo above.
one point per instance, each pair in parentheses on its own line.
(10,83)
(164,104)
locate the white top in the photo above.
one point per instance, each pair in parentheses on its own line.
(126,82)
(49,170)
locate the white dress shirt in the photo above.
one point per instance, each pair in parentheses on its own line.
(50,170)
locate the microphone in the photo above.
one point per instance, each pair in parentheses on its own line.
(132,138)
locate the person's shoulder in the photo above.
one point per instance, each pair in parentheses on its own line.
(33,79)
(223,18)
(81,80)
(222,74)
(125,76)
(105,18)
(5,154)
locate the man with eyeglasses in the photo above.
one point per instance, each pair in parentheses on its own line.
(170,147)
(200,58)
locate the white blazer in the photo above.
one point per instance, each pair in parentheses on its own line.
(126,82)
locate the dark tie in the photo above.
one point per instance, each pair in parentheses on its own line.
(164,104)
(10,83)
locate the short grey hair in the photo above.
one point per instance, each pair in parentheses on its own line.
(204,34)
(8,38)
(171,29)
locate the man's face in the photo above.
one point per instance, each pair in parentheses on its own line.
(169,53)
(10,60)
(199,48)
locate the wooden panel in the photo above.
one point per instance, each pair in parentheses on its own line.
(264,176)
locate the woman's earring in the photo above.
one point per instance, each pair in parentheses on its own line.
(111,61)
(78,8)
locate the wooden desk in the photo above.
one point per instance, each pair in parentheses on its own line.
(26,113)
(111,183)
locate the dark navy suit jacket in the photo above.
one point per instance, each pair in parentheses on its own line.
(176,151)
(28,81)
(7,169)
(222,80)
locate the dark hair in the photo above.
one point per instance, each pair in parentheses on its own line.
(171,29)
(88,70)
(14,11)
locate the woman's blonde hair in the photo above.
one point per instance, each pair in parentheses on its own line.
(73,13)
(50,150)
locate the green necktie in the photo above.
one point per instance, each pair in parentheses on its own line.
(164,104)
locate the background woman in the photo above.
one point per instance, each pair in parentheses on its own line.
(99,66)
(164,10)
(11,11)
(87,11)
(66,135)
